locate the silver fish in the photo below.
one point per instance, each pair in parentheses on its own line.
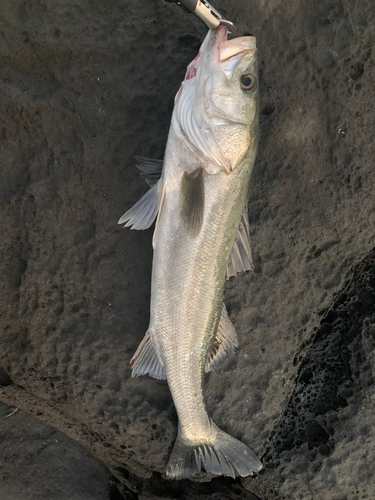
(201,236)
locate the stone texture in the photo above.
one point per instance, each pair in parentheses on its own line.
(40,463)
(84,86)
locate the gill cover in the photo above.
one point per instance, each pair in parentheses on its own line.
(213,114)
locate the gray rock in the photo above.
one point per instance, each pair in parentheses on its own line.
(40,463)
(86,86)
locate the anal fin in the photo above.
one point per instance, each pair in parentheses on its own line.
(145,360)
(224,342)
(240,259)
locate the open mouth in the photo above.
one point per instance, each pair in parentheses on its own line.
(228,53)
(229,48)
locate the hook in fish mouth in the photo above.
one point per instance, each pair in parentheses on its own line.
(229,23)
(205,11)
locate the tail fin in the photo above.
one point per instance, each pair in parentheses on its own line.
(224,455)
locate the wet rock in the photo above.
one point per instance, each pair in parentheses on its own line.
(4,377)
(40,463)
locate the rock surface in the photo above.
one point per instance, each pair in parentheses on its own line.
(86,85)
(40,463)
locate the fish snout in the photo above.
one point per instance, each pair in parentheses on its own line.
(237,46)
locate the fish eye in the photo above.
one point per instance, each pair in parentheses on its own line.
(248,83)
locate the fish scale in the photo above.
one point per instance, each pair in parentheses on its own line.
(193,271)
(201,201)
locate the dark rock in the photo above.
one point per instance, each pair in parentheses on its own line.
(40,463)
(4,377)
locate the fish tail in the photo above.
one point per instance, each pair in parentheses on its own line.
(223,455)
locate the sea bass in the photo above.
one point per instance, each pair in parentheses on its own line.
(199,196)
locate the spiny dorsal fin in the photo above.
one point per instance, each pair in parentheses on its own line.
(192,201)
(150,169)
(224,342)
(240,258)
(146,361)
(144,212)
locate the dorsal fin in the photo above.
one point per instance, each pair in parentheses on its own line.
(224,342)
(240,258)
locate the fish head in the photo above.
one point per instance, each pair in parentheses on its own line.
(217,106)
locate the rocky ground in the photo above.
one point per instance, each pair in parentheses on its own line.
(40,463)
(85,86)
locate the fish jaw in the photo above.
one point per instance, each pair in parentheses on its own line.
(219,53)
(212,113)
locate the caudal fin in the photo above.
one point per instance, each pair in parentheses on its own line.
(223,455)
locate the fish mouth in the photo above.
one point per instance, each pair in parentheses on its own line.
(225,53)
(230,51)
(232,48)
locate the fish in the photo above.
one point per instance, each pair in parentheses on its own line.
(198,196)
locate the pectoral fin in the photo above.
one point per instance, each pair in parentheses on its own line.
(192,201)
(240,259)
(224,342)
